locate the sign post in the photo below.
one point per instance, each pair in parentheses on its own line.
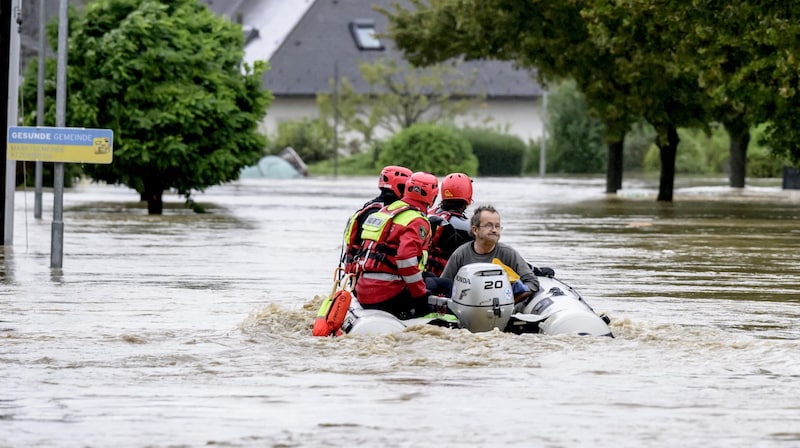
(59,145)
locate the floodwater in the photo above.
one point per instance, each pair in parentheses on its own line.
(195,330)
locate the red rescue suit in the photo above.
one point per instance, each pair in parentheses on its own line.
(393,253)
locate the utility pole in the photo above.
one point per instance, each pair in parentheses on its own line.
(10,19)
(543,146)
(57,234)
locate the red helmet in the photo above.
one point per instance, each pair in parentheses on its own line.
(394,178)
(457,186)
(422,187)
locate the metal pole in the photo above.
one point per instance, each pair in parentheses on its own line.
(543,146)
(12,115)
(37,197)
(336,118)
(5,46)
(57,237)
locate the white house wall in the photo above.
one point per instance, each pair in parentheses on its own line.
(522,118)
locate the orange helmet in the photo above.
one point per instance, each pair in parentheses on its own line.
(457,186)
(394,178)
(422,187)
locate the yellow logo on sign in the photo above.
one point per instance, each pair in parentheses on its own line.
(102,145)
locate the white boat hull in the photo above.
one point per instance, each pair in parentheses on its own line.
(555,309)
(558,309)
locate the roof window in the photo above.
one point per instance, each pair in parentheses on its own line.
(363,32)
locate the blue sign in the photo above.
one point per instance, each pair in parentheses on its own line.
(51,144)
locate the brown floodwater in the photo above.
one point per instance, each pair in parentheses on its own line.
(191,330)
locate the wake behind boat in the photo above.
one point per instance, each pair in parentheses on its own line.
(482,300)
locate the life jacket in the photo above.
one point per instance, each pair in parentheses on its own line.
(333,311)
(378,254)
(352,236)
(448,232)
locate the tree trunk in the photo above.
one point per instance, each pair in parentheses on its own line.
(669,150)
(153,195)
(614,168)
(739,133)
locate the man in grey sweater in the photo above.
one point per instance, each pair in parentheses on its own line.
(487,248)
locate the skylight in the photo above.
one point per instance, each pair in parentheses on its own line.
(364,35)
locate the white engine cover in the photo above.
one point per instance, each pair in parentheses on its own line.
(482,297)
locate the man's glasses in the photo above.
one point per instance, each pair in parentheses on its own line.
(491,226)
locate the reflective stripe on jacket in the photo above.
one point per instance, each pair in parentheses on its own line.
(352,235)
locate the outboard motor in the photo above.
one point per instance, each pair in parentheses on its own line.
(482,297)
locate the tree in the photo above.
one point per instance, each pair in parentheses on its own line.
(661,86)
(549,36)
(167,77)
(399,97)
(774,65)
(612,49)
(727,44)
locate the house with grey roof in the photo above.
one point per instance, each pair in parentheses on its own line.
(307,42)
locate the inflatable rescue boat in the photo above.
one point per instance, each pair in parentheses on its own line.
(483,300)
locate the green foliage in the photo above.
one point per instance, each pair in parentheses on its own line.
(499,154)
(167,78)
(427,147)
(355,165)
(782,133)
(399,96)
(311,139)
(575,139)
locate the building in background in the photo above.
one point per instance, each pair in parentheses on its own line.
(304,40)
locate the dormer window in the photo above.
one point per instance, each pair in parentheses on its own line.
(250,33)
(363,32)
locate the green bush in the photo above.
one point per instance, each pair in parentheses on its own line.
(498,154)
(761,162)
(531,159)
(637,142)
(311,139)
(428,147)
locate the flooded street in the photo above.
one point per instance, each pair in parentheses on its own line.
(195,329)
